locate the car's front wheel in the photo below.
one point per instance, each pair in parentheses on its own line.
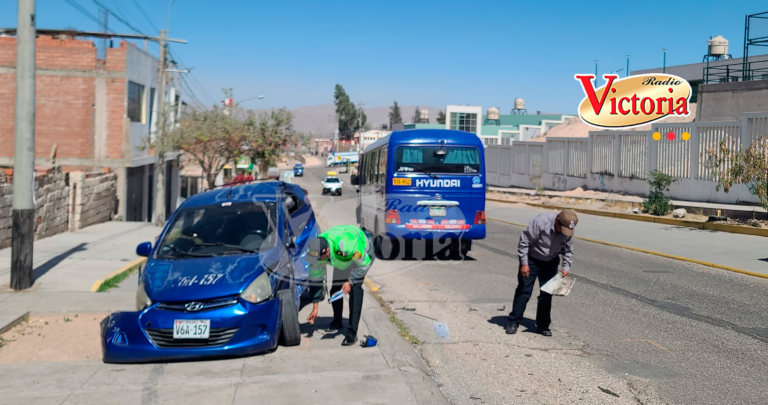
(290,332)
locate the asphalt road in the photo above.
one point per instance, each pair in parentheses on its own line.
(636,328)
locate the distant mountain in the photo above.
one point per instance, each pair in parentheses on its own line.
(319,119)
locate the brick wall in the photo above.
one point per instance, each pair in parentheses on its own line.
(65,104)
(95,196)
(51,207)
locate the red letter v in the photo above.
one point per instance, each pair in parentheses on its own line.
(586,83)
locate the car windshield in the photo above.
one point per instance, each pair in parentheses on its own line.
(331,180)
(420,159)
(221,229)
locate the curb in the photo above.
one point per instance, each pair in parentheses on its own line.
(399,354)
(11,324)
(370,284)
(121,270)
(651,252)
(742,230)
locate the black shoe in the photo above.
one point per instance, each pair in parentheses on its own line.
(546,332)
(511,328)
(349,340)
(334,327)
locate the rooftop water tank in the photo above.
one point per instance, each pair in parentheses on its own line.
(519,104)
(493,113)
(718,45)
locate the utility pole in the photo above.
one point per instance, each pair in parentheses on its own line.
(664,69)
(23,227)
(160,165)
(360,126)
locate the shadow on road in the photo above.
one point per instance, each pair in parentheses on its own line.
(502,321)
(47,266)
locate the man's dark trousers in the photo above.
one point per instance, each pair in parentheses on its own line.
(544,271)
(355,300)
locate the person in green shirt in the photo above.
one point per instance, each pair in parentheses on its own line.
(349,250)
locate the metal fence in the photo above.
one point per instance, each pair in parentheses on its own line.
(603,153)
(556,157)
(711,136)
(628,154)
(674,156)
(634,153)
(577,158)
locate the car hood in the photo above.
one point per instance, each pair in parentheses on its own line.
(332,184)
(205,277)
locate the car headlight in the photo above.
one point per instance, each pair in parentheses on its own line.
(142,299)
(259,290)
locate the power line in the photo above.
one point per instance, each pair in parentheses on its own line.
(126,14)
(83,11)
(149,20)
(193,78)
(113,14)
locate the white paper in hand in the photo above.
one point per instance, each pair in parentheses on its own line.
(559,285)
(336,296)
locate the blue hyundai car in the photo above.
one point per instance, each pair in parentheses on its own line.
(223,279)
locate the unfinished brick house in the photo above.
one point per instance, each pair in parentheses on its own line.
(95,113)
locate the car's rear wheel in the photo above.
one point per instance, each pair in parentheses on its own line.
(290,332)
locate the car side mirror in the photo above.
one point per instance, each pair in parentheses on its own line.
(291,242)
(353,179)
(143,249)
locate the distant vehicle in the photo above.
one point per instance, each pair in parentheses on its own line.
(273,173)
(287,177)
(224,279)
(298,170)
(332,184)
(341,158)
(423,184)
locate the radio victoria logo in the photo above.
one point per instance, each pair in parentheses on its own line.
(634,100)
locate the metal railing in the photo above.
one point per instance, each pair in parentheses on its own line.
(735,72)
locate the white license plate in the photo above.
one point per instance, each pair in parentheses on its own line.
(436,211)
(191,329)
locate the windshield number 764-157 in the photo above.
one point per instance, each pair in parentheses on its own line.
(208,279)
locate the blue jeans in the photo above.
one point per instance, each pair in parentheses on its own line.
(544,271)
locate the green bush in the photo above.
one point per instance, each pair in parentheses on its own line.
(657,203)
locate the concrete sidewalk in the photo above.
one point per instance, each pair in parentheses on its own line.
(67,265)
(743,252)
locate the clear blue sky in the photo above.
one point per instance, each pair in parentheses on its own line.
(417,52)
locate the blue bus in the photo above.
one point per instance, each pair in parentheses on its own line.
(423,184)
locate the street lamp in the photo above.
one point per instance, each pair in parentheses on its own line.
(254,98)
(595,73)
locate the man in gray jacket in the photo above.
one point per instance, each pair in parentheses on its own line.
(539,249)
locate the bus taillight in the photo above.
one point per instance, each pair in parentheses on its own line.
(479,217)
(392,217)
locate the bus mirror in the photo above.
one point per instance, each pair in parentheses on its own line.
(353,180)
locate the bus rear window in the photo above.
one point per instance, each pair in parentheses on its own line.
(426,158)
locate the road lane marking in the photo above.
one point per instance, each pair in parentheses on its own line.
(651,252)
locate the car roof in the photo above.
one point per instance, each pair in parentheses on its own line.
(259,191)
(428,136)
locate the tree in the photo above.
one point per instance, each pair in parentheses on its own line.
(268,136)
(441,117)
(214,138)
(748,167)
(394,115)
(211,137)
(416,116)
(349,117)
